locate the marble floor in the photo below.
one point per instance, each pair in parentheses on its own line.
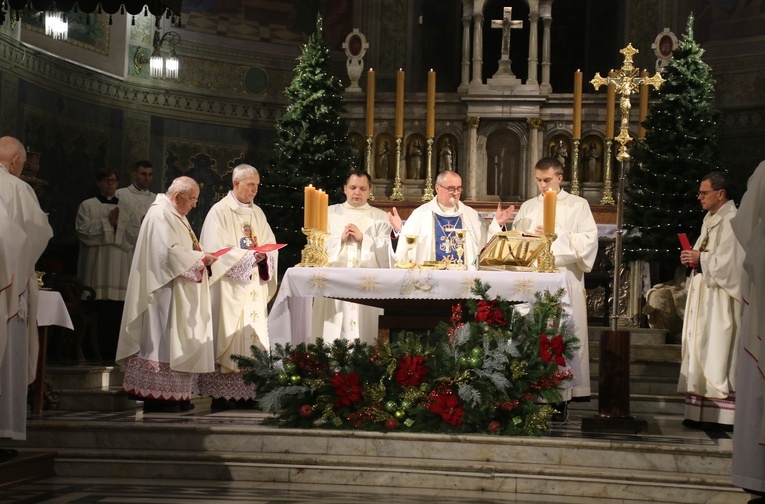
(664,429)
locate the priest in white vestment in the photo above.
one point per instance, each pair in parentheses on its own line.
(26,226)
(749,438)
(136,199)
(434,224)
(166,335)
(712,311)
(575,249)
(243,281)
(359,237)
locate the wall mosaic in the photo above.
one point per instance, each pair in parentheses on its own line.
(87,31)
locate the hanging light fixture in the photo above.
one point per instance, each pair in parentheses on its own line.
(56,25)
(156,62)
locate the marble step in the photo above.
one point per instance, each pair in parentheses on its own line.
(645,385)
(578,468)
(638,335)
(28,465)
(644,404)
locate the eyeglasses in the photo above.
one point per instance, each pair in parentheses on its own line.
(193,199)
(451,189)
(704,194)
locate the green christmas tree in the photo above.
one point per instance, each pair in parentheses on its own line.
(312,147)
(680,147)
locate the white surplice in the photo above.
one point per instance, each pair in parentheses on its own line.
(333,319)
(712,318)
(136,203)
(749,439)
(575,250)
(422,223)
(105,252)
(240,291)
(166,331)
(27,225)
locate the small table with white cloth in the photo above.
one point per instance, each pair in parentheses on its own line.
(289,320)
(51,310)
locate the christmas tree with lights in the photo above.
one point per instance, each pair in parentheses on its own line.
(680,147)
(312,148)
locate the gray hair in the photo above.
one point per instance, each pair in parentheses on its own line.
(441,176)
(243,170)
(181,185)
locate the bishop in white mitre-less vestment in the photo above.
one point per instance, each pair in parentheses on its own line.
(749,438)
(242,283)
(25,233)
(712,318)
(333,319)
(166,333)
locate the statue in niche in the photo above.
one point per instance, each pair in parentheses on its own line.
(383,170)
(414,158)
(592,155)
(356,155)
(560,152)
(446,157)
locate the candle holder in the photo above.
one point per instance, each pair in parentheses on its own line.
(460,234)
(546,261)
(608,197)
(427,194)
(397,195)
(314,254)
(369,162)
(575,168)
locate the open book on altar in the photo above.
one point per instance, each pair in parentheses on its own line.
(268,247)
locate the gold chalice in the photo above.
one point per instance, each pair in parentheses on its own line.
(411,242)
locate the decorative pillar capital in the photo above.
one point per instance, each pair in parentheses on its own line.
(535,123)
(472,122)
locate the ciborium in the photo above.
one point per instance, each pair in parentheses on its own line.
(512,251)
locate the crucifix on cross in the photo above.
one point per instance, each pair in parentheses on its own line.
(506,24)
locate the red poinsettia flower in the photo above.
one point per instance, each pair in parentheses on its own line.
(489,312)
(411,371)
(449,407)
(347,389)
(550,349)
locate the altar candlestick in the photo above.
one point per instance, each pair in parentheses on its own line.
(643,103)
(308,215)
(577,104)
(323,204)
(370,102)
(315,209)
(431,123)
(400,103)
(610,102)
(550,201)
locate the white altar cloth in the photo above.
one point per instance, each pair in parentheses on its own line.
(51,310)
(290,318)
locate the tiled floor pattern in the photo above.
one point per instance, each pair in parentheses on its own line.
(662,429)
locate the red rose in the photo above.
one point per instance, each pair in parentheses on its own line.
(489,312)
(347,389)
(448,406)
(411,371)
(306,411)
(494,427)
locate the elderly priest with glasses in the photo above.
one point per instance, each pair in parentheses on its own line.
(435,224)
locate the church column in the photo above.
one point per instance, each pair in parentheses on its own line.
(472,158)
(545,86)
(467,12)
(536,127)
(533,52)
(477,49)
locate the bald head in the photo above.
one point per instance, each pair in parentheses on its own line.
(13,155)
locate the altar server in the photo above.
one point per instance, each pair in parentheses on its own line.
(435,222)
(359,237)
(243,281)
(137,198)
(25,233)
(575,249)
(166,333)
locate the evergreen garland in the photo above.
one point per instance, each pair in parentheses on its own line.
(680,147)
(312,147)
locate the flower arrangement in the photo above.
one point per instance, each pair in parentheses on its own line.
(485,373)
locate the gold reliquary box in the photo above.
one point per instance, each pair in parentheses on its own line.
(513,251)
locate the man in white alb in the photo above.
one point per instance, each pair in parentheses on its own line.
(24,231)
(166,335)
(243,281)
(575,249)
(137,198)
(359,237)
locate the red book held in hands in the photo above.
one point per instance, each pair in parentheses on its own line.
(269,247)
(684,241)
(221,251)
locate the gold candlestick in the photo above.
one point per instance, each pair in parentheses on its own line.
(314,254)
(575,168)
(427,194)
(461,234)
(369,162)
(397,194)
(546,261)
(608,198)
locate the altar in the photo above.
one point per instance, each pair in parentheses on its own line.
(289,320)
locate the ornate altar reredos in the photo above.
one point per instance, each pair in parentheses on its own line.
(29,174)
(512,251)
